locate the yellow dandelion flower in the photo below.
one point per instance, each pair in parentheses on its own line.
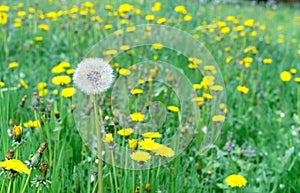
(131,29)
(108,7)
(230,18)
(148,144)
(293,70)
(243,89)
(43,92)
(218,118)
(236,180)
(2,84)
(157,46)
(216,88)
(132,144)
(209,67)
(110,52)
(152,135)
(55,92)
(267,61)
(248,60)
(225,30)
(39,38)
(253,33)
(137,116)
(124,8)
(108,138)
(156,6)
(33,124)
(192,66)
(141,81)
(15,165)
(239,28)
(136,91)
(3,18)
(222,106)
(197,86)
(173,109)
(140,156)
(41,85)
(180,9)
(124,72)
(249,22)
(161,20)
(17,131)
(164,151)
(285,76)
(208,81)
(125,132)
(88,4)
(198,99)
(187,17)
(297,79)
(68,92)
(195,61)
(108,26)
(64,64)
(13,65)
(150,17)
(221,24)
(70,71)
(124,47)
(23,84)
(44,27)
(61,80)
(207,96)
(4,8)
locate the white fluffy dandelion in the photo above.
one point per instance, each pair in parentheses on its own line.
(93,76)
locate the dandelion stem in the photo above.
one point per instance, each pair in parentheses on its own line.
(9,186)
(298,100)
(133,175)
(39,189)
(99,145)
(114,171)
(158,169)
(26,183)
(141,181)
(15,181)
(2,186)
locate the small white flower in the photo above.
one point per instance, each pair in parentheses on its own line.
(281,186)
(93,76)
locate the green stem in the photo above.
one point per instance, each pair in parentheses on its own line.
(26,183)
(99,146)
(15,181)
(61,106)
(39,189)
(133,175)
(298,100)
(141,181)
(158,169)
(2,186)
(114,171)
(9,186)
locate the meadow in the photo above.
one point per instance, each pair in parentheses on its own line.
(199,92)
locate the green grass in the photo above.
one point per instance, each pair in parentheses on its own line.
(264,121)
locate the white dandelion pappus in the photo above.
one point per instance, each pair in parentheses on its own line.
(93,76)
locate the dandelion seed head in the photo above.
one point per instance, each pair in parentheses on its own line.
(93,76)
